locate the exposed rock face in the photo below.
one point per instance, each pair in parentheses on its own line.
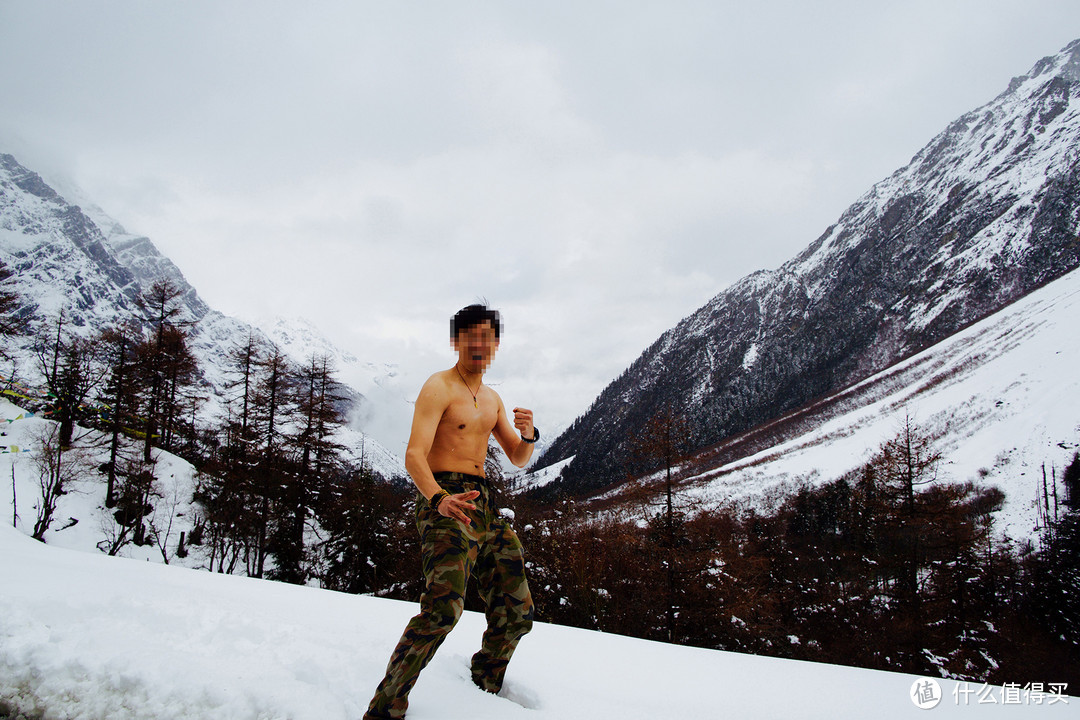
(988,211)
(64,259)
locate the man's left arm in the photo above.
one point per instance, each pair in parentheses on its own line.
(513,438)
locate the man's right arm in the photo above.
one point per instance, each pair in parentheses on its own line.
(432,402)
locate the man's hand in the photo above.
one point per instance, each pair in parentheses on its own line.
(454,506)
(523,421)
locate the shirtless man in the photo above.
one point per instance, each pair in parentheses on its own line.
(461,532)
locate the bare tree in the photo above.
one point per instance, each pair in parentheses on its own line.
(57,469)
(135,500)
(162,518)
(14,500)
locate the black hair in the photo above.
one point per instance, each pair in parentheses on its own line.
(472,315)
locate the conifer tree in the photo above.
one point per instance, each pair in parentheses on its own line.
(317,402)
(71,374)
(179,369)
(227,490)
(161,308)
(1071,480)
(228,523)
(273,395)
(243,363)
(314,418)
(273,402)
(356,512)
(119,394)
(904,463)
(663,443)
(1053,591)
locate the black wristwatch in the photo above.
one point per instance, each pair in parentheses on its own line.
(535,437)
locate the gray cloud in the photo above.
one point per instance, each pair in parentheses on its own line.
(597,170)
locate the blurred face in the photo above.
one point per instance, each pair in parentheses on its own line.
(476,347)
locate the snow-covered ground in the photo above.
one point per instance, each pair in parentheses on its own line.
(545,475)
(91,637)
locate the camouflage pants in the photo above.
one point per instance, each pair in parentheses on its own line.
(452,552)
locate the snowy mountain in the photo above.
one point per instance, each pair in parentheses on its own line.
(85,263)
(299,337)
(1002,395)
(98,638)
(987,212)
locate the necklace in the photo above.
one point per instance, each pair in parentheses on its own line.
(474,402)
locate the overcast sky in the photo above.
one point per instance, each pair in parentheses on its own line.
(596,170)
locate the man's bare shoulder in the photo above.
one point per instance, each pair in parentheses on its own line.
(498,399)
(436,387)
(439,377)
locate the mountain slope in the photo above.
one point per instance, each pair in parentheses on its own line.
(1002,395)
(988,211)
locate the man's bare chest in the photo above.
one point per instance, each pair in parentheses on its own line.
(471,416)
